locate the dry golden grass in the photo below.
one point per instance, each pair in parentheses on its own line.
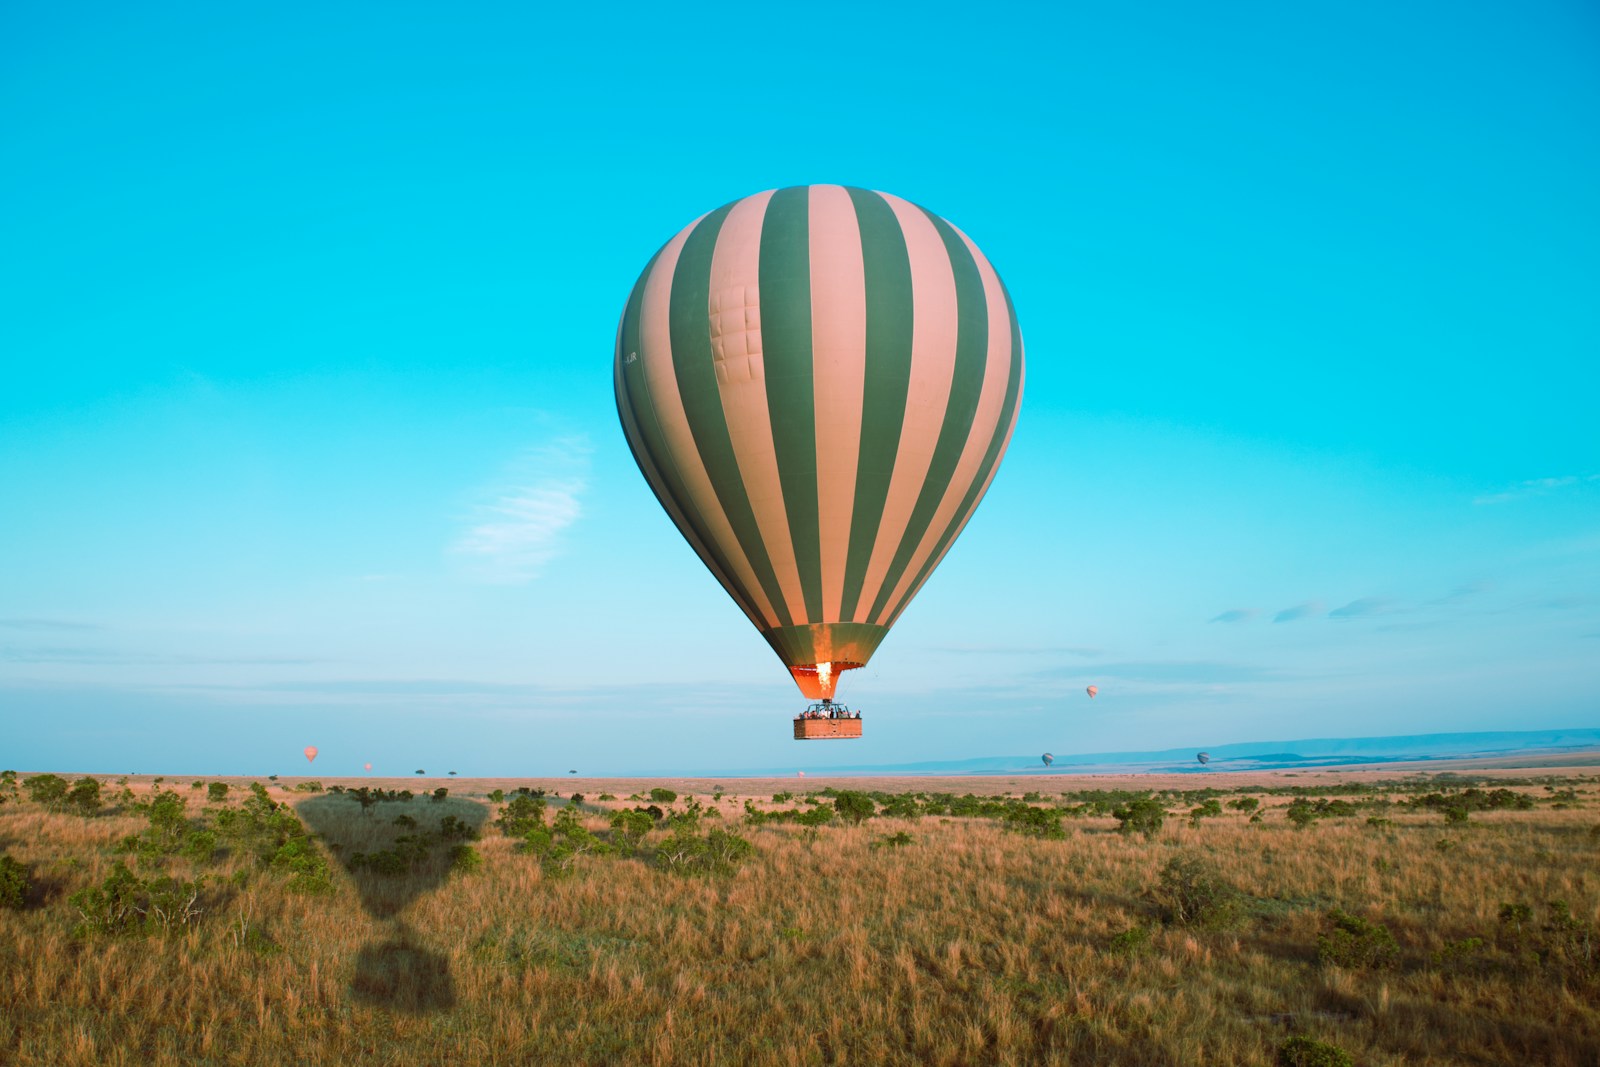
(969,945)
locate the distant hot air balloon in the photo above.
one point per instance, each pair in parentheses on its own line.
(1048,759)
(1203,757)
(366,766)
(818,384)
(802,774)
(1092,690)
(311,753)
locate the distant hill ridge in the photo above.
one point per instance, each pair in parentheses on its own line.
(1259,755)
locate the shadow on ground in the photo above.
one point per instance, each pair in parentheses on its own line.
(395,851)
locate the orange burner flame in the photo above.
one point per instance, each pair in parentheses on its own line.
(819,680)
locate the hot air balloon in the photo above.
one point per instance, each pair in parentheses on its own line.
(1203,757)
(1048,759)
(311,753)
(366,766)
(818,384)
(1092,690)
(802,774)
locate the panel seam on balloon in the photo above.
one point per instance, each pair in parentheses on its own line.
(696,374)
(734,310)
(655,469)
(660,362)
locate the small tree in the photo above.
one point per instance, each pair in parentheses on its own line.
(629,829)
(84,797)
(663,796)
(522,814)
(1141,815)
(853,807)
(217,792)
(47,789)
(1301,813)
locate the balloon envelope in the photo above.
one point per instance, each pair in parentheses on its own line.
(366,766)
(1048,759)
(311,753)
(1092,690)
(1203,757)
(818,383)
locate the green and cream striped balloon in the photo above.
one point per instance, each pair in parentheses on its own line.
(818,383)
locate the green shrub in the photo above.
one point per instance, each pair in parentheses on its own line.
(853,807)
(1140,815)
(47,789)
(454,829)
(1301,813)
(1309,1052)
(308,867)
(629,828)
(217,792)
(497,796)
(1356,943)
(15,883)
(439,794)
(524,813)
(716,852)
(1133,940)
(559,847)
(84,797)
(1244,804)
(663,796)
(464,859)
(1192,892)
(899,839)
(1208,810)
(1034,822)
(126,904)
(200,845)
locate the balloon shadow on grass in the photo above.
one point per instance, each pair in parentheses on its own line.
(395,851)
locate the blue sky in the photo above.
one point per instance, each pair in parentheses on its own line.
(307,432)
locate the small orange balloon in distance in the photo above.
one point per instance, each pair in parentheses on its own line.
(311,753)
(366,766)
(1092,690)
(801,773)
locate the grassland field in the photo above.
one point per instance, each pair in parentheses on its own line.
(1376,917)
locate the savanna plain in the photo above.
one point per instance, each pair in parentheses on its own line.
(1378,917)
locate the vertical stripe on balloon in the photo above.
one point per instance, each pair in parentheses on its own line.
(838,374)
(886,381)
(695,369)
(784,281)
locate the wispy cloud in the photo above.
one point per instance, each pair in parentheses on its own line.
(1364,608)
(115,658)
(1235,615)
(1299,611)
(1018,650)
(1535,487)
(48,624)
(516,531)
(1184,672)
